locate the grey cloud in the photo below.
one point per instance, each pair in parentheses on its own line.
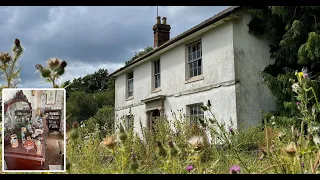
(90,35)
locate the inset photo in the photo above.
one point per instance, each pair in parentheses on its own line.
(34,124)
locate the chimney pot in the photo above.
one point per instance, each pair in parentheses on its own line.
(158,20)
(164,20)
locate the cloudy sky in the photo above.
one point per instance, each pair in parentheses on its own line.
(88,38)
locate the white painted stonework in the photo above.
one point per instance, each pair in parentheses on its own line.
(231,60)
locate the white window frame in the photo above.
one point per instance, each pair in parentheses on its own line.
(194,58)
(130,85)
(156,74)
(192,108)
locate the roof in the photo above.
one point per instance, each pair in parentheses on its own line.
(194,29)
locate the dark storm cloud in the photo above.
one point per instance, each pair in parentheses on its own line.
(87,37)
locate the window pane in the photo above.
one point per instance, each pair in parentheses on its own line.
(189,49)
(194,55)
(199,70)
(199,62)
(193,48)
(198,54)
(195,72)
(195,64)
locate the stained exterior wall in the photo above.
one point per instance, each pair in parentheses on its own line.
(251,57)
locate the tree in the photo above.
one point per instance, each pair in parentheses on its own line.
(139,54)
(91,83)
(295,45)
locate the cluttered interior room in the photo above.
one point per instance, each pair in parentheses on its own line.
(33,129)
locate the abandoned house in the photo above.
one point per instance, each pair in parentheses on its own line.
(216,60)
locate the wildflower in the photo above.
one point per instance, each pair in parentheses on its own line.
(189,168)
(231,130)
(63,64)
(39,66)
(235,169)
(196,142)
(160,149)
(5,57)
(291,149)
(273,123)
(17,42)
(110,142)
(295,87)
(300,74)
(173,150)
(122,136)
(53,62)
(134,164)
(298,103)
(305,75)
(272,117)
(45,72)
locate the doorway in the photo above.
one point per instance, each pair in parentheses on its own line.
(154,115)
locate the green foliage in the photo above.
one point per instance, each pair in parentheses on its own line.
(294,35)
(139,54)
(91,83)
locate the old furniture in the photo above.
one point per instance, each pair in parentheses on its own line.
(19,158)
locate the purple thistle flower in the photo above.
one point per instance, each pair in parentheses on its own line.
(305,75)
(189,168)
(235,169)
(298,103)
(231,130)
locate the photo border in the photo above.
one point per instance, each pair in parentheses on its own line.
(64,133)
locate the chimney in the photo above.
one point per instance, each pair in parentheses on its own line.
(161,32)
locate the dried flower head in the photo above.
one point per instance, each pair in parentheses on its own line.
(110,142)
(17,42)
(196,142)
(235,169)
(291,149)
(231,131)
(53,62)
(5,57)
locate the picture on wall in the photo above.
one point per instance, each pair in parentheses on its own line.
(51,97)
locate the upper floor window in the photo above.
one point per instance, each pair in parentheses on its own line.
(195,59)
(156,74)
(195,113)
(130,84)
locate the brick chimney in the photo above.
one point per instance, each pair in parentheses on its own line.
(161,32)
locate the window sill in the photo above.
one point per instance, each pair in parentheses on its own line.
(129,98)
(156,90)
(193,79)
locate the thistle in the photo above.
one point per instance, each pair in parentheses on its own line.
(160,149)
(122,136)
(110,142)
(134,164)
(173,149)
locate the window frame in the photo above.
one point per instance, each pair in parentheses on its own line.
(193,118)
(130,87)
(194,59)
